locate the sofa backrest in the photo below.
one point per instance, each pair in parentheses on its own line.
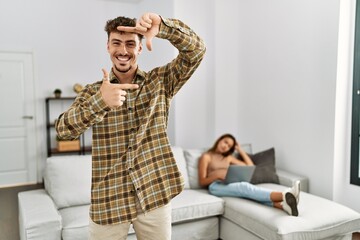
(68,180)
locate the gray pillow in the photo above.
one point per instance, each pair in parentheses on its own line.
(265,171)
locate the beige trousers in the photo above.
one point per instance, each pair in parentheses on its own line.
(154,225)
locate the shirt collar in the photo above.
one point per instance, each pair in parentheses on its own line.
(138,79)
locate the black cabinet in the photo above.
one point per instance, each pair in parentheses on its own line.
(52,109)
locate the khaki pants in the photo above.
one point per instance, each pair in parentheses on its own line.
(154,225)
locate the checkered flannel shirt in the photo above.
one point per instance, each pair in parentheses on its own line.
(131,153)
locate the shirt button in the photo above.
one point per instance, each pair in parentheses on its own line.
(130,109)
(130,169)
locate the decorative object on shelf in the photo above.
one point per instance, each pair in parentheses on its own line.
(77,87)
(57,93)
(67,145)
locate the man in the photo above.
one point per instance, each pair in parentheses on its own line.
(134,173)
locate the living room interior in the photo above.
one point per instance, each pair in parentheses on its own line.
(276,74)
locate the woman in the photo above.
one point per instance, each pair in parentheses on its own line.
(213,166)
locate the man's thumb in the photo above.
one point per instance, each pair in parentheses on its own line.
(105,75)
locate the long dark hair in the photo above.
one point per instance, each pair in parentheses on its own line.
(231,150)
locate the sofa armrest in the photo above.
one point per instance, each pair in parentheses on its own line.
(287,179)
(38,216)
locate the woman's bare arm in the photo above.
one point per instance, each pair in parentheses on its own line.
(246,160)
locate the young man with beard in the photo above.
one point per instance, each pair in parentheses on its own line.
(134,173)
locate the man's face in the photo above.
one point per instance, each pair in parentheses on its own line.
(124,49)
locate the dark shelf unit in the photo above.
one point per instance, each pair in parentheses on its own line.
(50,126)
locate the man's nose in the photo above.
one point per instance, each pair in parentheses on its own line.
(123,49)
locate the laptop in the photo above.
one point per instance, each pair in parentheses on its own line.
(238,173)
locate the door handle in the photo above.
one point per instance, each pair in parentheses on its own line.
(28,117)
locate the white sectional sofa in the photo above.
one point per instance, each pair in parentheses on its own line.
(60,211)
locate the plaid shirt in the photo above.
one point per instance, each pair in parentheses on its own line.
(131,153)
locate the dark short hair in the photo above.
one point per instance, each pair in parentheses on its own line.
(112,24)
(231,150)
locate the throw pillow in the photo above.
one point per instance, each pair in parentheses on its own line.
(265,171)
(68,180)
(192,160)
(181,163)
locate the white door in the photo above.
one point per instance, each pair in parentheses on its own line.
(17,120)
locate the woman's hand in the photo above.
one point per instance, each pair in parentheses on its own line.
(218,174)
(246,160)
(238,147)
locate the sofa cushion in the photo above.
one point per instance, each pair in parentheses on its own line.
(205,229)
(75,221)
(318,217)
(195,204)
(68,180)
(192,158)
(265,171)
(189,205)
(181,163)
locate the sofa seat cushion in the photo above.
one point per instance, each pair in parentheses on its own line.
(318,217)
(75,221)
(189,205)
(195,204)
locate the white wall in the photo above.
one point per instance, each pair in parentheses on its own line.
(287,75)
(194,104)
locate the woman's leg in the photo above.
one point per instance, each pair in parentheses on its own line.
(243,190)
(286,201)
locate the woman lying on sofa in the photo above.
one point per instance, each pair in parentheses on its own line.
(214,164)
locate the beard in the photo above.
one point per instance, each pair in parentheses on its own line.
(122,70)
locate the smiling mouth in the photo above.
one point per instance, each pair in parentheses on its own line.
(123,59)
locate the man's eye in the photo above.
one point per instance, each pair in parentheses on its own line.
(130,45)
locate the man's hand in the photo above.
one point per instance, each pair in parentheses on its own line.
(114,94)
(148,25)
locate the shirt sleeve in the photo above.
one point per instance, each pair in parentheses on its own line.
(88,108)
(191,52)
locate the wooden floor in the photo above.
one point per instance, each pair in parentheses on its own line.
(9,224)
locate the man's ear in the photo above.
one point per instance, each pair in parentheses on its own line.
(140,47)
(107,46)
